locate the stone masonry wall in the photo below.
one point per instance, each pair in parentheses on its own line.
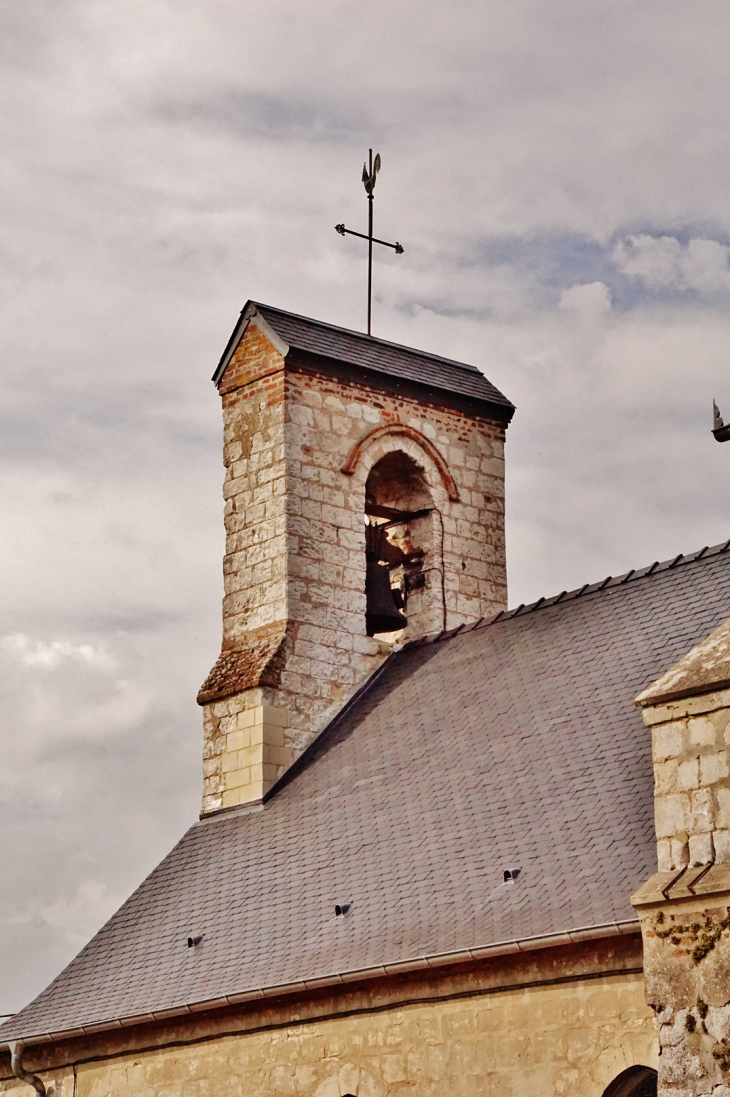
(687,961)
(294,570)
(254,566)
(569,1034)
(690,740)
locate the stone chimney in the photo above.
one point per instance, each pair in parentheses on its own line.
(327,432)
(685,907)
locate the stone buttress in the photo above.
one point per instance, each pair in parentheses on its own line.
(315,447)
(685,907)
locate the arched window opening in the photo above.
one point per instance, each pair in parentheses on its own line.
(635,1082)
(398,536)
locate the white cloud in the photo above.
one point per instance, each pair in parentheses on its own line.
(48,654)
(664,263)
(655,261)
(590,300)
(705,266)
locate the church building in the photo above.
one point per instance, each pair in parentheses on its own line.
(446,846)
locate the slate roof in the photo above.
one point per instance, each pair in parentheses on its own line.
(355,349)
(511,744)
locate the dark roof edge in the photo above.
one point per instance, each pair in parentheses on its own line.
(482,406)
(373,339)
(666,697)
(567,595)
(251,311)
(486,952)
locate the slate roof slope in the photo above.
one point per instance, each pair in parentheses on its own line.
(511,744)
(353,348)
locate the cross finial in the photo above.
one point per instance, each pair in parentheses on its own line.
(369,175)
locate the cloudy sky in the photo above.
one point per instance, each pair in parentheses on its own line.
(559,173)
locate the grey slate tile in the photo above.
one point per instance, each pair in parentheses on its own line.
(514,743)
(367,352)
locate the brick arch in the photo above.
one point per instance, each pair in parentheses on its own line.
(400,430)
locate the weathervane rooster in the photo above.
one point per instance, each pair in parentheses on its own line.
(369,177)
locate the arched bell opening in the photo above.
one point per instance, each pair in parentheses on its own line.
(399,515)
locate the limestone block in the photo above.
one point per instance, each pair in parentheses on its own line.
(671,815)
(702,813)
(713,767)
(237,778)
(722,797)
(688,774)
(231,798)
(665,777)
(279,756)
(701,849)
(679,846)
(229,762)
(664,855)
(252,756)
(668,741)
(269,715)
(721,842)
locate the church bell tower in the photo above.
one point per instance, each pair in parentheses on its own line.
(364,505)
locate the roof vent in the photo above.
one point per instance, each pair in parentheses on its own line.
(342,908)
(193,941)
(511,874)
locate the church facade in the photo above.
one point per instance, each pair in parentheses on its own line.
(424,815)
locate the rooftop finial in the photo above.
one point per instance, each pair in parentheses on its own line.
(369,175)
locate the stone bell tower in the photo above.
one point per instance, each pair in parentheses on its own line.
(364,504)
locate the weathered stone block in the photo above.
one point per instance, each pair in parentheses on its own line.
(679,847)
(701,849)
(688,774)
(702,813)
(668,741)
(713,767)
(671,814)
(721,842)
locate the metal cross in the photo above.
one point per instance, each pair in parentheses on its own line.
(369,174)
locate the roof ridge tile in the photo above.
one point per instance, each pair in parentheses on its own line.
(546,601)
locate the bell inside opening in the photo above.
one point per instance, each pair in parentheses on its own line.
(398,509)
